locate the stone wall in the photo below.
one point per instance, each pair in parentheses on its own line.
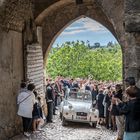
(34,70)
(132,15)
(14,13)
(11,74)
(16,17)
(41,5)
(17,29)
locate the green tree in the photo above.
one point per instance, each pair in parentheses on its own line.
(97,45)
(77,59)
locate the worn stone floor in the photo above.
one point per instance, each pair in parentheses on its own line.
(74,131)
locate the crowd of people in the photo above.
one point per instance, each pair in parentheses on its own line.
(119,109)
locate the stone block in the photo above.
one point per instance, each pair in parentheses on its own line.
(132,15)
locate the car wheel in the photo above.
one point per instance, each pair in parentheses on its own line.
(64,122)
(94,124)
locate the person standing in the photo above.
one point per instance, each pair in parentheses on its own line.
(131,110)
(37,114)
(118,116)
(49,100)
(25,101)
(100,106)
(94,93)
(107,103)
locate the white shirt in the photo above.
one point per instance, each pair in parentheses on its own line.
(25,100)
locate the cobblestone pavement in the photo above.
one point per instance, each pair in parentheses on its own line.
(74,131)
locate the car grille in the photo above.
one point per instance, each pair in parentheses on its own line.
(81,114)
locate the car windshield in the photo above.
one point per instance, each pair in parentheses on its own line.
(80,95)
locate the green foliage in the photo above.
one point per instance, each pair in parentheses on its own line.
(78,59)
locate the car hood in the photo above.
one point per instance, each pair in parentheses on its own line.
(79,106)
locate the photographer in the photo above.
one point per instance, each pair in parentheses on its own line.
(131,110)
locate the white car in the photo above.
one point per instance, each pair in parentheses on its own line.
(77,107)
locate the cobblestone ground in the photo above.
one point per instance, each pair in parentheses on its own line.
(74,131)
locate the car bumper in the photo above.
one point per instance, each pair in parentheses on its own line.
(84,119)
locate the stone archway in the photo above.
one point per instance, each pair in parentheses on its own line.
(110,14)
(53,23)
(121,17)
(60,15)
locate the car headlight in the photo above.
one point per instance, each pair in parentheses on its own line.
(92,109)
(66,103)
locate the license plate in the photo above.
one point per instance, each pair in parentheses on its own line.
(81,118)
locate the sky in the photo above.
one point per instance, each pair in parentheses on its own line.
(85,29)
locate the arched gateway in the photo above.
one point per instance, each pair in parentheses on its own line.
(29,28)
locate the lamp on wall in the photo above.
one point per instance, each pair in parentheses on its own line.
(79,1)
